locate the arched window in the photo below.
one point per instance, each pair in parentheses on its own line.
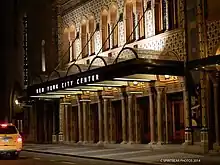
(91,31)
(139,8)
(113,21)
(65,47)
(105,29)
(72,36)
(84,45)
(159,16)
(173,14)
(129,21)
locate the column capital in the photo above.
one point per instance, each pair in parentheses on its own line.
(150,92)
(215,85)
(160,89)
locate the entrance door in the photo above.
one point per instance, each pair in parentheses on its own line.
(95,122)
(75,124)
(143,105)
(116,107)
(178,121)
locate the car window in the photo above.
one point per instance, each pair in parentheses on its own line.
(8,130)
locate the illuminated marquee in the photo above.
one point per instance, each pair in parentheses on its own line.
(69,83)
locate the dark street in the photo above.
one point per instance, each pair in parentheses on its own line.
(28,158)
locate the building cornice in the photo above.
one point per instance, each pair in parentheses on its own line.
(70,5)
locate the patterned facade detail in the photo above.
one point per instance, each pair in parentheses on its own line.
(78,48)
(97,42)
(181,14)
(213,37)
(149,28)
(121,31)
(60,32)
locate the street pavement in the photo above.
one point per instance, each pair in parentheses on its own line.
(29,158)
(135,155)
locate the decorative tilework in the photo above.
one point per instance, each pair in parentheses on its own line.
(213,37)
(121,32)
(97,42)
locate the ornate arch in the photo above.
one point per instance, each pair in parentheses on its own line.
(37,77)
(173,53)
(78,67)
(54,71)
(95,59)
(83,18)
(123,49)
(216,50)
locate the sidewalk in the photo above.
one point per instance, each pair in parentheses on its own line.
(139,154)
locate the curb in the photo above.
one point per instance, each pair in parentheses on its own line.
(94,158)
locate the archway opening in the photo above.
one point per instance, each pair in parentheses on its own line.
(105,29)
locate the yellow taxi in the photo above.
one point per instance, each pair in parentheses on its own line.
(10,141)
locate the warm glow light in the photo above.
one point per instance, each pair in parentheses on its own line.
(16,102)
(132,79)
(135,82)
(166,76)
(107,85)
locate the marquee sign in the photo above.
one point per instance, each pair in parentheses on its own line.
(110,72)
(68,83)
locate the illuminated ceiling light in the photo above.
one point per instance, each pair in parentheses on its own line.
(68,95)
(66,103)
(49,96)
(167,76)
(85,100)
(16,102)
(137,92)
(109,87)
(72,89)
(203,67)
(135,82)
(105,85)
(94,90)
(63,93)
(196,68)
(132,79)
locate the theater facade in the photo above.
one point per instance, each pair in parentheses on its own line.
(122,77)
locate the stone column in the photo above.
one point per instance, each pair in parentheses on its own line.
(111,36)
(130,119)
(100,113)
(61,118)
(137,30)
(80,120)
(34,122)
(72,139)
(187,111)
(85,122)
(204,107)
(111,123)
(54,136)
(160,91)
(123,109)
(106,128)
(216,105)
(152,117)
(90,124)
(66,124)
(166,120)
(44,123)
